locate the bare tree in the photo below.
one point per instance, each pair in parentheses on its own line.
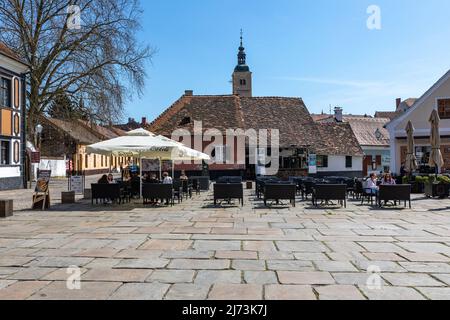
(85,48)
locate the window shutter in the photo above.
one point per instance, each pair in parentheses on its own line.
(378,160)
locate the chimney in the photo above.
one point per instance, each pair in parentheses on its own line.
(338,114)
(398,101)
(144,121)
(189,93)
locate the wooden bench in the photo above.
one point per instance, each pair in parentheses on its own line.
(6,208)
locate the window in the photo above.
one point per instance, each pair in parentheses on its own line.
(5,153)
(5,93)
(242,82)
(95,161)
(322,161)
(349,162)
(444,108)
(221,154)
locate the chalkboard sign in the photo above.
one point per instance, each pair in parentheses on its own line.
(41,197)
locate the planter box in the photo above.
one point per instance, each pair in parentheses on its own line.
(417,188)
(437,190)
(68,197)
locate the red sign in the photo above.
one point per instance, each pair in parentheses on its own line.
(36,157)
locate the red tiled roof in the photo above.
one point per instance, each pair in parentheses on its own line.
(365,128)
(386,114)
(289,115)
(337,139)
(73,129)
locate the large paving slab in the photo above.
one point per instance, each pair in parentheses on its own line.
(196,251)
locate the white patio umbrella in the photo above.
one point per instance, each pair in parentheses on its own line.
(143,144)
(436,159)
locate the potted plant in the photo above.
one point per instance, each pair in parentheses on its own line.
(417,184)
(437,187)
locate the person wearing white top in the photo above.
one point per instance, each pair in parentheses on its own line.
(372,183)
(167,179)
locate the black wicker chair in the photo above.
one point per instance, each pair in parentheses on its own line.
(329,192)
(228,191)
(151,191)
(279,192)
(103,192)
(395,193)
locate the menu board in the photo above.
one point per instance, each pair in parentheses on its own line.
(76,184)
(166,166)
(43,180)
(150,165)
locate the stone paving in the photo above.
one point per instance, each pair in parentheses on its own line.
(196,251)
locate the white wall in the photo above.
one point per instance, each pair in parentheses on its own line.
(337,163)
(58,167)
(9,172)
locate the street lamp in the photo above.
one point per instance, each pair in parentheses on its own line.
(39,128)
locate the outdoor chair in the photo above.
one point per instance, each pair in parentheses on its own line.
(203,182)
(125,191)
(261,182)
(186,188)
(228,191)
(135,185)
(329,192)
(279,192)
(178,190)
(394,193)
(359,190)
(105,192)
(307,189)
(152,191)
(195,185)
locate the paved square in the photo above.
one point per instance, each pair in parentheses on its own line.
(196,251)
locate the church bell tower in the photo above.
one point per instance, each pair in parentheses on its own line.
(242,77)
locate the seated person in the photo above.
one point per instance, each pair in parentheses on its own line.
(103,180)
(388,180)
(183,176)
(150,178)
(111,179)
(167,179)
(372,183)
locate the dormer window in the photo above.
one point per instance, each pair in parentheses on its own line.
(378,134)
(185,121)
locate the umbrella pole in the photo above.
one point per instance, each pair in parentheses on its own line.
(173,170)
(140,176)
(160,169)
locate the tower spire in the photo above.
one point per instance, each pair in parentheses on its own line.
(242,33)
(242,56)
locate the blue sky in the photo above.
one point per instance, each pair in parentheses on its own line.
(319,50)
